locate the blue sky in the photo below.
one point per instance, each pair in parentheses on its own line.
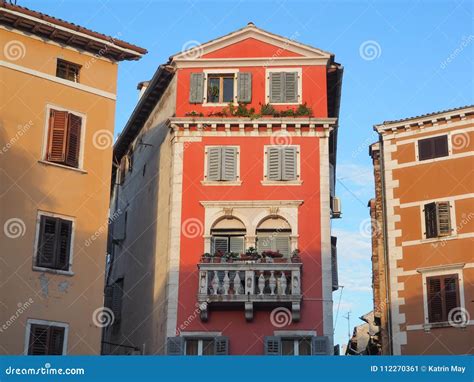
(401,59)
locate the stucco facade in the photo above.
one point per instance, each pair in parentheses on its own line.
(33,186)
(427,196)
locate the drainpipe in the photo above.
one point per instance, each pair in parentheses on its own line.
(385,244)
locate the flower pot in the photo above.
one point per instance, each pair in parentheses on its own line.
(205,260)
(216,259)
(280,260)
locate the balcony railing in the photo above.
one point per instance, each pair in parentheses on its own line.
(241,284)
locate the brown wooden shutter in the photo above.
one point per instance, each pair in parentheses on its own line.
(73,140)
(451,294)
(443,215)
(57,136)
(435,300)
(64,244)
(56,340)
(431,223)
(440,146)
(47,242)
(38,342)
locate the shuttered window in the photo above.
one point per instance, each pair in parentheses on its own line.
(198,346)
(226,244)
(282,163)
(64,138)
(68,70)
(54,244)
(196,88)
(312,345)
(276,242)
(335,278)
(431,148)
(283,87)
(244,87)
(437,219)
(46,340)
(222,163)
(443,296)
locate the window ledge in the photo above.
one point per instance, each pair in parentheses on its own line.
(80,170)
(224,104)
(221,182)
(285,103)
(438,325)
(54,271)
(438,239)
(281,182)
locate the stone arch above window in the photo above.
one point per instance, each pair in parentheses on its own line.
(228,236)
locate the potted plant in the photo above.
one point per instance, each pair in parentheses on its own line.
(295,256)
(206,258)
(217,257)
(276,257)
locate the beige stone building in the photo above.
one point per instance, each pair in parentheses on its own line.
(57,105)
(423,231)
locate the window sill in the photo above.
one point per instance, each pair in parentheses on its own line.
(439,325)
(438,239)
(54,271)
(281,182)
(80,170)
(223,104)
(221,183)
(285,103)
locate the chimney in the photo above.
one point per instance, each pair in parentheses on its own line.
(142,86)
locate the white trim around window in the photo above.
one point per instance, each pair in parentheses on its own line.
(32,321)
(44,150)
(452,213)
(450,147)
(456,269)
(236,182)
(219,71)
(297,182)
(286,70)
(69,272)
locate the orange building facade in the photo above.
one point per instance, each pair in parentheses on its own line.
(423,233)
(58,91)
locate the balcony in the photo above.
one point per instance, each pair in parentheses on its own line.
(243,285)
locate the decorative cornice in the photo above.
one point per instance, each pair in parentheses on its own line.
(250,203)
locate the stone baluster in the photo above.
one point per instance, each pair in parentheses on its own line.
(249,282)
(282,284)
(237,283)
(272,283)
(295,282)
(215,283)
(203,282)
(261,283)
(226,283)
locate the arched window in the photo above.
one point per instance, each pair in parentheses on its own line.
(273,234)
(228,236)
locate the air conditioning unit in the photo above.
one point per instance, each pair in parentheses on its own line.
(335,207)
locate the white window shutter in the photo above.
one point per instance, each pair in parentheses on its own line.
(274,159)
(291,87)
(276,87)
(320,345)
(264,243)
(196,88)
(282,245)
(175,346)
(244,87)
(289,163)
(219,244)
(221,345)
(236,244)
(214,163)
(272,345)
(443,214)
(229,163)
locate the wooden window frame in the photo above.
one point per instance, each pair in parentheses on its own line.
(38,268)
(46,138)
(442,279)
(452,218)
(30,322)
(220,73)
(433,157)
(68,67)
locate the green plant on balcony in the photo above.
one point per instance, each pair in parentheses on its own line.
(295,256)
(206,257)
(304,110)
(267,110)
(193,114)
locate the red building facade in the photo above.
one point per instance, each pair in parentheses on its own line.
(250,265)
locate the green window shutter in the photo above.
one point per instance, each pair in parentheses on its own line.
(443,214)
(431,224)
(229,163)
(236,244)
(264,243)
(282,245)
(274,163)
(47,242)
(290,87)
(289,163)
(320,345)
(221,346)
(272,345)
(244,87)
(220,244)
(196,88)
(175,346)
(214,163)
(276,87)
